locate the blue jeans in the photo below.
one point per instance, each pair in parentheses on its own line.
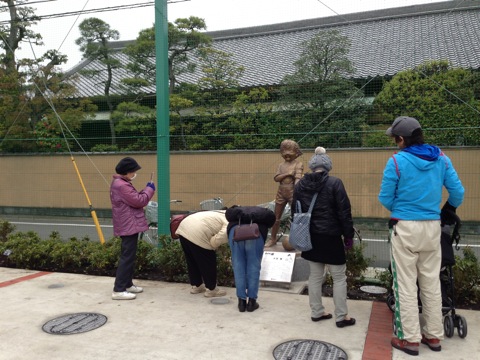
(247,260)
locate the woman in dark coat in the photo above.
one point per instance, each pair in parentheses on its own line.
(330,222)
(247,254)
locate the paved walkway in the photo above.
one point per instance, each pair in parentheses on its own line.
(167,322)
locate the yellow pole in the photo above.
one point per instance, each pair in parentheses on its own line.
(92,211)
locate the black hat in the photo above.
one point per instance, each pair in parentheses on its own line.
(403,126)
(127,165)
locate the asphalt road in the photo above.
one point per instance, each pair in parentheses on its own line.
(67,227)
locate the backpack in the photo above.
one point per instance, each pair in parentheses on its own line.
(175,221)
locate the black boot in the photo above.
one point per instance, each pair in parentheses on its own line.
(252,305)
(242,305)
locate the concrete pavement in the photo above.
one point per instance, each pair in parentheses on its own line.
(167,322)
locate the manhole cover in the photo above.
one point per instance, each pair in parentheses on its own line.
(74,323)
(373,289)
(219,301)
(308,349)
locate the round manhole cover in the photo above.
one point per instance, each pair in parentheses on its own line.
(219,301)
(308,349)
(74,323)
(373,289)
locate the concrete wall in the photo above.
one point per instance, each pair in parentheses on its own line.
(47,182)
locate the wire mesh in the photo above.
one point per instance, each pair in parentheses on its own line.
(322,85)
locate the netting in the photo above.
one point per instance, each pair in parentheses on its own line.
(319,84)
(337,82)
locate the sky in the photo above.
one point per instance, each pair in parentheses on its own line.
(61,32)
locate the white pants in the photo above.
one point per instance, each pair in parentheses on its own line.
(416,256)
(315,282)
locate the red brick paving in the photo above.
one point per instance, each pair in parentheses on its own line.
(379,333)
(23,278)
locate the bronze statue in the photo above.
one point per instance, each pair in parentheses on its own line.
(288,174)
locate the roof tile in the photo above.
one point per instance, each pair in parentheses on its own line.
(384,42)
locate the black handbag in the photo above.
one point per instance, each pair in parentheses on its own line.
(244,232)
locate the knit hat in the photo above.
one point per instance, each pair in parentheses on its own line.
(320,160)
(127,165)
(403,126)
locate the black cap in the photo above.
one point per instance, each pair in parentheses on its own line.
(127,165)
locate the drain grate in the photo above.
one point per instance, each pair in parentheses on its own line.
(74,323)
(308,349)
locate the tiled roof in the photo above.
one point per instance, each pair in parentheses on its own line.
(384,42)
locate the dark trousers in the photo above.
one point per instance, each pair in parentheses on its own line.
(201,264)
(126,264)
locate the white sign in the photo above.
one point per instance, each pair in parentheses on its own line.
(277,266)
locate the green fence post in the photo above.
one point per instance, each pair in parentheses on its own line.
(163,134)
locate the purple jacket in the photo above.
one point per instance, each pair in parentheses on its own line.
(127,207)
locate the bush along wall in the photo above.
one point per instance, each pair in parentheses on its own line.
(165,262)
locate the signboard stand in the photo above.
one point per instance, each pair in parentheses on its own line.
(277,268)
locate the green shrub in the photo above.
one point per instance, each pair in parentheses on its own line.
(466,274)
(385,277)
(172,260)
(166,262)
(224,265)
(5,229)
(104,148)
(103,259)
(26,250)
(357,264)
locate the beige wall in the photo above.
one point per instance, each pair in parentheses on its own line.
(244,178)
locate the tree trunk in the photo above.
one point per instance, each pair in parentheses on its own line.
(108,83)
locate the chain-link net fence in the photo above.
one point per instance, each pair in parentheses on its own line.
(337,84)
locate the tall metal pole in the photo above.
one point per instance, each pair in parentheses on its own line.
(163,134)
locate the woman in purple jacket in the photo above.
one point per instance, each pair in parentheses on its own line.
(128,222)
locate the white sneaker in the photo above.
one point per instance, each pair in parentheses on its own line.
(135,289)
(123,295)
(198,289)
(215,292)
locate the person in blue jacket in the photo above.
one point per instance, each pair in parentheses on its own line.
(411,190)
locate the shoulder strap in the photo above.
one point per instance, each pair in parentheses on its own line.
(312,203)
(299,207)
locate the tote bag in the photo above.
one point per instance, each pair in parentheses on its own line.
(299,237)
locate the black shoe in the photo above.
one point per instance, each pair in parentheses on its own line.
(323,317)
(252,305)
(242,305)
(344,323)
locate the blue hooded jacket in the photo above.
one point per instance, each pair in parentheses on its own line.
(413,180)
